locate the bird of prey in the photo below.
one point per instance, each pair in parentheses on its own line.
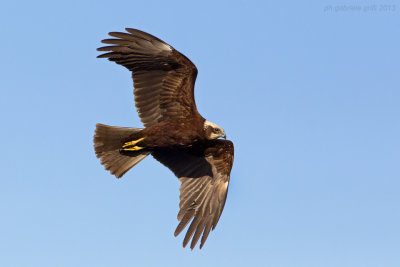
(175,133)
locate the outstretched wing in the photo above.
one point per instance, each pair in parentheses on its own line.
(204,172)
(163,78)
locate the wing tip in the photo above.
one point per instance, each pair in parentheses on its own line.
(105,55)
(130,30)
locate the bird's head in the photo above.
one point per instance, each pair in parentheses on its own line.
(213,131)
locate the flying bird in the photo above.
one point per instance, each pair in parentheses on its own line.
(175,133)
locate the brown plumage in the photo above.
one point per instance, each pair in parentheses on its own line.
(175,133)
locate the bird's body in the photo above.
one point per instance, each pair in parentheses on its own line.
(175,133)
(180,133)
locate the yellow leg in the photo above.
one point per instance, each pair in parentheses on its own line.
(132,143)
(135,148)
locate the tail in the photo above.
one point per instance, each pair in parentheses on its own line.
(107,143)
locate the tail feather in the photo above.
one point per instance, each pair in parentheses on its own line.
(107,143)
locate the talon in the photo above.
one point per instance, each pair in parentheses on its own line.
(132,143)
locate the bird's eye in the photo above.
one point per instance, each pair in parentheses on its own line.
(216,130)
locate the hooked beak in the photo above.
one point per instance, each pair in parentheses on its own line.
(223,135)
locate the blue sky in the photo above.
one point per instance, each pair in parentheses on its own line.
(308,93)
